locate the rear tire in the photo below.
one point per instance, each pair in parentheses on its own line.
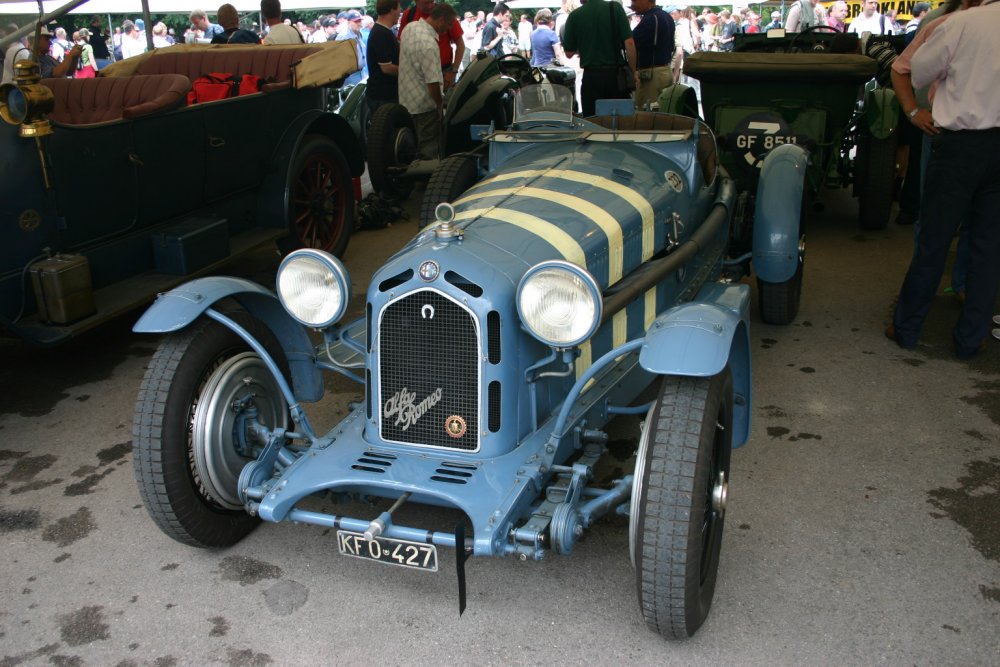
(876,167)
(678,501)
(455,175)
(392,145)
(184,452)
(320,198)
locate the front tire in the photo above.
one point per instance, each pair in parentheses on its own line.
(678,501)
(185,452)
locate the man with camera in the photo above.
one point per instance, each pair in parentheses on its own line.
(47,65)
(654,50)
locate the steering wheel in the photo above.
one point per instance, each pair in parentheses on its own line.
(516,65)
(814,43)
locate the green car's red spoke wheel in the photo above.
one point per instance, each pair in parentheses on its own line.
(319,221)
(320,197)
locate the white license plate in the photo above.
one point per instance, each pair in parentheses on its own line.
(387,550)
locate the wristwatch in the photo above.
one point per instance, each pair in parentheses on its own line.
(913,113)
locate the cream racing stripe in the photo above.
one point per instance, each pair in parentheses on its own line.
(565,244)
(650,314)
(583,362)
(596,214)
(619,328)
(638,202)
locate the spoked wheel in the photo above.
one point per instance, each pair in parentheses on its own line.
(321,199)
(188,443)
(679,500)
(392,146)
(455,175)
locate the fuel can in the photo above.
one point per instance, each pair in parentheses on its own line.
(62,288)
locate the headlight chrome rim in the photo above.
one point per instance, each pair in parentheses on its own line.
(587,283)
(336,277)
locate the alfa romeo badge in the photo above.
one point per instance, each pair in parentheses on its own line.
(429,270)
(455,426)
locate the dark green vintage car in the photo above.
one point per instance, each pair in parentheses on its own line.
(117,188)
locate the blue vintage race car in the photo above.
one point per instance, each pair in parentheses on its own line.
(584,265)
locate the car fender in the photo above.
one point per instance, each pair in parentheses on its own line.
(176,309)
(881,112)
(778,213)
(478,101)
(679,98)
(700,337)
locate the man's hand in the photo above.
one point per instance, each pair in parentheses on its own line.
(449,79)
(925,121)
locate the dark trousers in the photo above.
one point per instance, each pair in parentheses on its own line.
(963,184)
(599,83)
(909,196)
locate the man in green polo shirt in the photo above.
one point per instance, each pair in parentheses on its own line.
(591,33)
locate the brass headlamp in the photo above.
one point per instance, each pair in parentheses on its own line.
(26,101)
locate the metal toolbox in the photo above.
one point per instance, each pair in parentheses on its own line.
(191,245)
(63,290)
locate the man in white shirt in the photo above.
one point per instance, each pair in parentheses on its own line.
(802,15)
(869,20)
(421,79)
(470,36)
(132,43)
(524,36)
(964,168)
(279,32)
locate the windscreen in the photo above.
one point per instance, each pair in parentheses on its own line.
(547,98)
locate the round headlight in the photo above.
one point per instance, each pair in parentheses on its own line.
(314,287)
(13,105)
(560,303)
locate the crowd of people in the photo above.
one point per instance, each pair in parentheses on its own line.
(413,56)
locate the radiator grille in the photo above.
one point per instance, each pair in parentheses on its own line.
(429,372)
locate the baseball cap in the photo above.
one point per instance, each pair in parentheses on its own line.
(140,24)
(353,15)
(670,9)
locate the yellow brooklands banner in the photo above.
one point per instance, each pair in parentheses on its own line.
(904,7)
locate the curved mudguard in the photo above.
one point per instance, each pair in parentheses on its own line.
(778,213)
(477,102)
(700,337)
(679,98)
(881,116)
(181,306)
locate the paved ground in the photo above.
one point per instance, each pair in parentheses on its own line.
(862,528)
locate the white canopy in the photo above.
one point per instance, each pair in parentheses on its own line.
(134,7)
(533,4)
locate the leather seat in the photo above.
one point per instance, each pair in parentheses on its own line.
(103,100)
